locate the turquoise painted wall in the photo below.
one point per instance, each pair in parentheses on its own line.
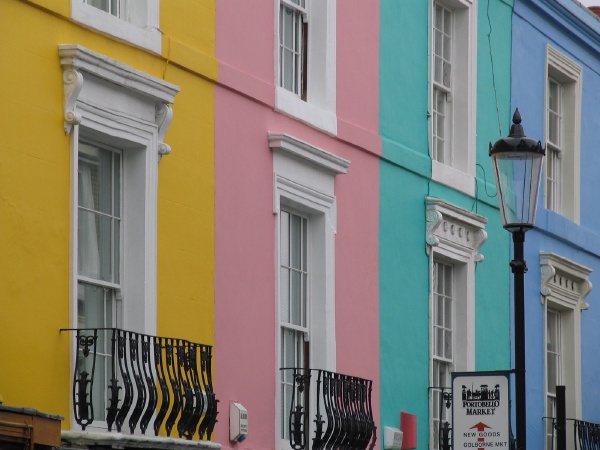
(405,182)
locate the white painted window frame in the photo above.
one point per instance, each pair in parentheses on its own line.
(138,22)
(454,236)
(459,171)
(300,17)
(319,109)
(304,180)
(108,102)
(569,74)
(564,286)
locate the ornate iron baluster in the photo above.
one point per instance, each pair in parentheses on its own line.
(207,425)
(187,408)
(136,370)
(113,386)
(354,434)
(372,426)
(83,381)
(296,420)
(319,422)
(161,346)
(149,377)
(173,367)
(365,435)
(122,340)
(328,393)
(197,391)
(338,411)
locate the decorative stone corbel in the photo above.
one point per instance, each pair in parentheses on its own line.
(164,115)
(434,220)
(73,82)
(586,287)
(547,273)
(480,236)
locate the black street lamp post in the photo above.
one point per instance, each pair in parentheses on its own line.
(517,162)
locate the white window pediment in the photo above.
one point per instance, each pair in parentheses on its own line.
(564,281)
(455,228)
(305,165)
(107,89)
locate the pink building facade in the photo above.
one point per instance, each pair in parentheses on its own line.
(297,179)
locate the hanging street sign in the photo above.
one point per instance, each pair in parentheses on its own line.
(480,410)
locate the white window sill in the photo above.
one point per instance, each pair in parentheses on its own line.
(453,178)
(290,104)
(149,38)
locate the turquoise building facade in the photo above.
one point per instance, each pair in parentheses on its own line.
(444,274)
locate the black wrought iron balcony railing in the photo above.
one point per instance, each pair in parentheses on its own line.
(587,435)
(136,381)
(335,408)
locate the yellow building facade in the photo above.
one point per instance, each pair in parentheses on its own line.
(106,197)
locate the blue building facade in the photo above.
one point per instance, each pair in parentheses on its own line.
(556,86)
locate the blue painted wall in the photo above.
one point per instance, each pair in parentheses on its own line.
(573,31)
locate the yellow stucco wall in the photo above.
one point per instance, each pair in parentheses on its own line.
(35,189)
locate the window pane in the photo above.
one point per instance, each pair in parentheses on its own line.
(104,5)
(117,185)
(99,200)
(439,17)
(439,342)
(284,295)
(90,300)
(287,72)
(289,28)
(439,317)
(448,280)
(554,112)
(117,251)
(105,246)
(297,298)
(284,239)
(447,21)
(553,350)
(88,260)
(448,344)
(447,73)
(296,237)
